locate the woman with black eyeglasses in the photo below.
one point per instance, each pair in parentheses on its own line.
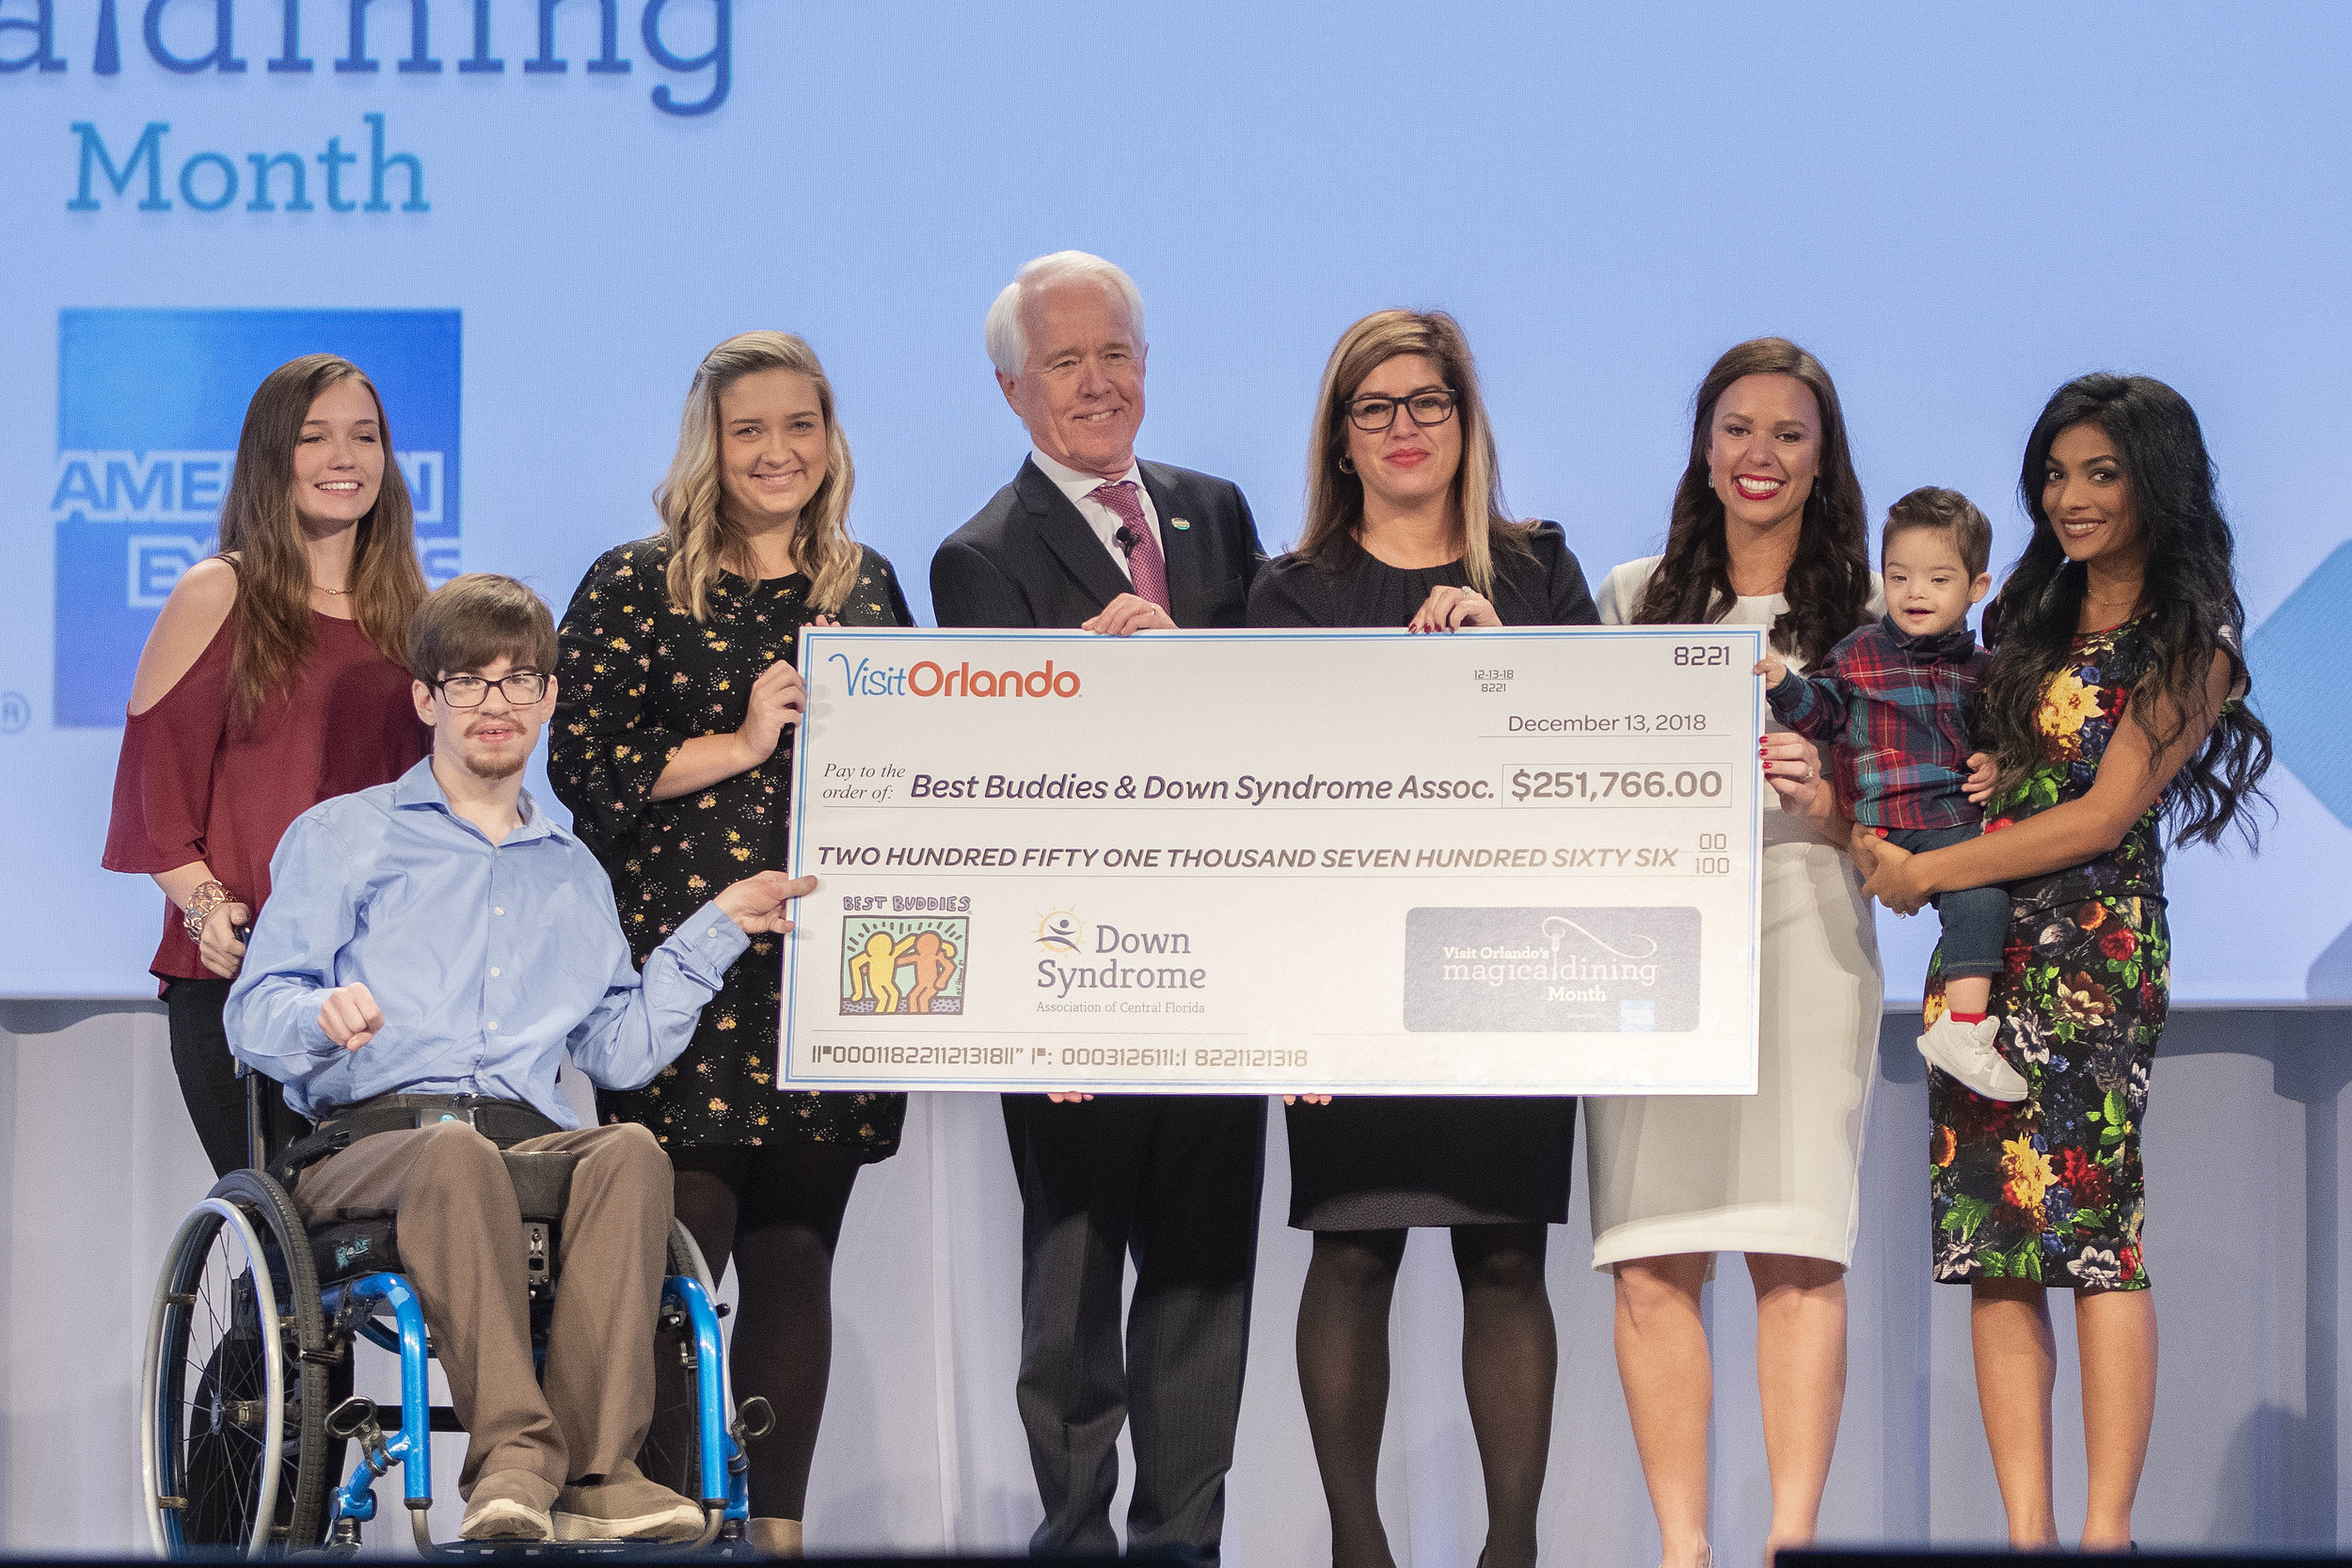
(1405,527)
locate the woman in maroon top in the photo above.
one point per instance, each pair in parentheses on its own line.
(271,682)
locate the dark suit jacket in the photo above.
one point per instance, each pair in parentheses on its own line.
(1029,560)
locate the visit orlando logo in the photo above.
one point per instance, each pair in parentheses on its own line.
(929,678)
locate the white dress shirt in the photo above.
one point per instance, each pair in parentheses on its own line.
(1101,519)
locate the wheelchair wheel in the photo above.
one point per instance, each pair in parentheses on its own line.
(235,1394)
(673,1451)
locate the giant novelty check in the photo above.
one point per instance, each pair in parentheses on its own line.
(1501,862)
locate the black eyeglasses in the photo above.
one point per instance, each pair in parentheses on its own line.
(1373,415)
(522,689)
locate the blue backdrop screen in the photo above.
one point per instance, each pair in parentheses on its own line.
(528,218)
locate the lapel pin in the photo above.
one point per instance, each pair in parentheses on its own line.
(1180,523)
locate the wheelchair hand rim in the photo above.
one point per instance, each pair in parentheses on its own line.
(210,1216)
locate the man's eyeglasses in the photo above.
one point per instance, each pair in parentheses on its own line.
(1373,415)
(522,689)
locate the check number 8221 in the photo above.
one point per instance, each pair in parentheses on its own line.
(1694,655)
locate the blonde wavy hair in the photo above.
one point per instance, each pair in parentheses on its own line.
(1335,497)
(702,540)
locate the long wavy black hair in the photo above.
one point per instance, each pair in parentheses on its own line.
(1828,588)
(2189,599)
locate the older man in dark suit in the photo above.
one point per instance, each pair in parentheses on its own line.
(1086,536)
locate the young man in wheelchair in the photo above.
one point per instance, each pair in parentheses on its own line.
(430,949)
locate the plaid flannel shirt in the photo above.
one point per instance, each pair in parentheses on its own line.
(1891,711)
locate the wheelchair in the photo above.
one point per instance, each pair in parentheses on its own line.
(247,1413)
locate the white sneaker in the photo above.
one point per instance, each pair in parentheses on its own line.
(502,1507)
(1965,1052)
(625,1506)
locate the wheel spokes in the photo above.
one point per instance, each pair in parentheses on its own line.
(217,1427)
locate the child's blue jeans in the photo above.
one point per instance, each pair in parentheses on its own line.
(1976,919)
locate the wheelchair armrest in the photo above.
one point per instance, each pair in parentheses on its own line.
(299,1155)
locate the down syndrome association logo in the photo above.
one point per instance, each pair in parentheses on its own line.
(148,406)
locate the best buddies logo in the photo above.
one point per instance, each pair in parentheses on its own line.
(148,406)
(129,161)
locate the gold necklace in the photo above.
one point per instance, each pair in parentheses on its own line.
(339,593)
(2105,620)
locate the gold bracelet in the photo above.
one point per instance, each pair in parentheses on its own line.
(206,897)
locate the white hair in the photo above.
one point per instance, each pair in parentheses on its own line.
(1009,345)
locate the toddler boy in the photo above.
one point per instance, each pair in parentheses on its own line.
(1889,707)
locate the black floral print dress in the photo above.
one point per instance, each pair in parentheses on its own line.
(2050,1189)
(637,679)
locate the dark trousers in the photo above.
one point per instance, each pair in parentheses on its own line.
(209,1084)
(1976,919)
(1174,1180)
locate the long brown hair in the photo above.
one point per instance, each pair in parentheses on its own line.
(1828,588)
(702,538)
(1335,498)
(262,533)
(2190,599)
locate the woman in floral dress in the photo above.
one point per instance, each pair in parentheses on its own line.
(675,698)
(2113,709)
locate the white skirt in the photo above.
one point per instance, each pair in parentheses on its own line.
(1778,1171)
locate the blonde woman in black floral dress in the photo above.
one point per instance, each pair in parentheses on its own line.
(677,698)
(2113,708)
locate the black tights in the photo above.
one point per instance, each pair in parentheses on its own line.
(1510,1358)
(776,1210)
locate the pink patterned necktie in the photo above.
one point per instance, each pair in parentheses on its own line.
(1145,561)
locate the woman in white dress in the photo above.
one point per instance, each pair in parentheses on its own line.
(1768,529)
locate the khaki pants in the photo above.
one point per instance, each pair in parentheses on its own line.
(460,1237)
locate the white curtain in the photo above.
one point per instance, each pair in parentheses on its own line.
(923,1451)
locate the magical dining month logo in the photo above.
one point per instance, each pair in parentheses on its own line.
(1613,970)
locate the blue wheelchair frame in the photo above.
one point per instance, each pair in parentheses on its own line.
(352,1307)
(725,1496)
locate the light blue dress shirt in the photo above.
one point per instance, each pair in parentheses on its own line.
(488,960)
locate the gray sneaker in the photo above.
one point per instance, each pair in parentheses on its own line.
(1966,1052)
(508,1505)
(625,1506)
